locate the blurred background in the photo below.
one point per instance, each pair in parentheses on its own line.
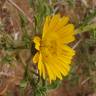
(20,20)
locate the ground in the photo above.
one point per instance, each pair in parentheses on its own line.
(82,80)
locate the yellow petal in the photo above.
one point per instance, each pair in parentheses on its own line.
(37,40)
(63,69)
(40,63)
(43,71)
(56,70)
(62,22)
(53,67)
(36,58)
(68,50)
(41,67)
(52,70)
(60,64)
(53,22)
(66,66)
(66,34)
(46,25)
(49,72)
(67,30)
(69,39)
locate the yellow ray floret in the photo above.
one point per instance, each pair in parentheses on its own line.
(54,56)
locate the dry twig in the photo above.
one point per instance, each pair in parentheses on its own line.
(19,9)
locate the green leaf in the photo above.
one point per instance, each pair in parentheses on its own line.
(7,59)
(54,84)
(23,84)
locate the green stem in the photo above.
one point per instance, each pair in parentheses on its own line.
(85,28)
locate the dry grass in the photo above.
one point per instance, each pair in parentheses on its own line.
(18,24)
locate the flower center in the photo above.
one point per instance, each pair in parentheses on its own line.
(50,46)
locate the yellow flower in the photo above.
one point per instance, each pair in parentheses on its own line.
(54,56)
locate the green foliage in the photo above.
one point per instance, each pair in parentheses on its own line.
(40,91)
(23,84)
(71,2)
(86,24)
(41,10)
(43,86)
(89,16)
(26,39)
(23,20)
(93,33)
(7,59)
(83,72)
(54,85)
(6,41)
(39,85)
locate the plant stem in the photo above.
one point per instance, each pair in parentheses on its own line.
(19,9)
(74,47)
(85,28)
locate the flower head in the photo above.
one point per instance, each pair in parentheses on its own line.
(54,56)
